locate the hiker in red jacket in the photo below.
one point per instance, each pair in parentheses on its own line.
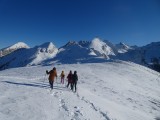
(70,81)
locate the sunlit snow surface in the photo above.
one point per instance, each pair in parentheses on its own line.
(106,91)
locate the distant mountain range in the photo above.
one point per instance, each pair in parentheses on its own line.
(97,50)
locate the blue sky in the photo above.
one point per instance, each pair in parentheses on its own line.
(134,22)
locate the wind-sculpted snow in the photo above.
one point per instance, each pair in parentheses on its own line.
(106,91)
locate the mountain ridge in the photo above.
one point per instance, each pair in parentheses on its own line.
(97,50)
(12,48)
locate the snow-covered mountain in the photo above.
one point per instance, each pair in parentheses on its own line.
(28,57)
(151,51)
(12,48)
(105,91)
(85,52)
(142,55)
(73,52)
(102,48)
(105,50)
(123,48)
(95,51)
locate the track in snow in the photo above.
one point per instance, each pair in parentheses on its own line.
(77,107)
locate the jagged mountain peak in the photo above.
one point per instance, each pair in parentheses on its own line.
(46,48)
(97,43)
(101,48)
(84,43)
(70,43)
(48,45)
(122,47)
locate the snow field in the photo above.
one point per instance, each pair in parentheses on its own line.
(106,91)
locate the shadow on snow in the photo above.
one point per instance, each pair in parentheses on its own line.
(36,84)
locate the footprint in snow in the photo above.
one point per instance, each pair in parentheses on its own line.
(76,113)
(53,93)
(77,110)
(63,105)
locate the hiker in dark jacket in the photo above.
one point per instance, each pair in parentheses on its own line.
(75,79)
(52,75)
(70,79)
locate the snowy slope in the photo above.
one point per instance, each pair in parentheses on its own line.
(12,48)
(141,54)
(106,91)
(28,57)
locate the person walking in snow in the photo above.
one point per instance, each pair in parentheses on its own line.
(62,77)
(52,75)
(70,82)
(75,79)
